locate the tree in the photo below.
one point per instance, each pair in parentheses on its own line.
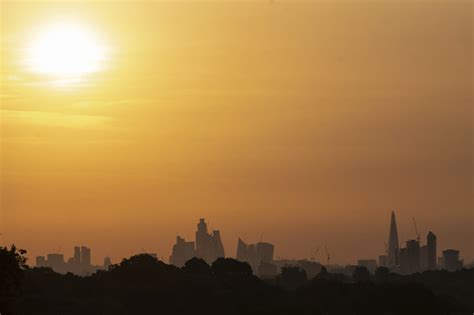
(292,277)
(361,274)
(12,264)
(231,267)
(382,274)
(197,266)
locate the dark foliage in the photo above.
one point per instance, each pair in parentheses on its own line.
(144,285)
(12,263)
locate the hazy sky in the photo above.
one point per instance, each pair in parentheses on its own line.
(305,121)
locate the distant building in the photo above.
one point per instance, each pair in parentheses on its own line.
(182,252)
(85,256)
(410,257)
(451,261)
(424,257)
(431,257)
(383,261)
(393,244)
(79,264)
(40,261)
(56,262)
(208,247)
(107,263)
(370,264)
(265,252)
(255,254)
(77,255)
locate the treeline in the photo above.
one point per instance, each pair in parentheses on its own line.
(144,285)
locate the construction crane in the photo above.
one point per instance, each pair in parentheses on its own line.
(418,237)
(327,256)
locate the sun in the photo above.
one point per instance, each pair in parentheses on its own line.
(65,50)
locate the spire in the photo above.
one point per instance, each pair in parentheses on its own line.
(393,247)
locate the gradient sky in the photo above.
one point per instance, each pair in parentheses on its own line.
(305,121)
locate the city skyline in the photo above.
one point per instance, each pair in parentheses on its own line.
(302,120)
(414,257)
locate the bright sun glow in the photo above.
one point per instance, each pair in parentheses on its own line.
(65,51)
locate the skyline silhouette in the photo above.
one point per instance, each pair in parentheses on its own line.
(302,120)
(413,258)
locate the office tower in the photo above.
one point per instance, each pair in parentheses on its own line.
(182,252)
(383,261)
(56,262)
(265,252)
(404,261)
(107,263)
(431,244)
(411,260)
(203,241)
(40,261)
(241,250)
(393,245)
(77,255)
(217,247)
(208,247)
(424,257)
(85,257)
(451,260)
(255,254)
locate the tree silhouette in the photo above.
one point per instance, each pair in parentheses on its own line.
(292,277)
(12,264)
(361,274)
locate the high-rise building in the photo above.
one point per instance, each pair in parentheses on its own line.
(383,261)
(255,254)
(208,247)
(107,263)
(431,248)
(182,252)
(203,241)
(56,262)
(265,252)
(424,257)
(40,261)
(393,245)
(410,257)
(241,250)
(85,257)
(217,246)
(451,261)
(77,255)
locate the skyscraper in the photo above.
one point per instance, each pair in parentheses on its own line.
(182,252)
(208,247)
(431,244)
(85,257)
(203,241)
(77,255)
(393,245)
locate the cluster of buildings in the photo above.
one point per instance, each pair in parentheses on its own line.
(207,246)
(79,263)
(415,257)
(259,256)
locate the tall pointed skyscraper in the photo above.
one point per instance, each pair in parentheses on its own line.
(393,247)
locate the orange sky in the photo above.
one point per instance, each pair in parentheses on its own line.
(305,121)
